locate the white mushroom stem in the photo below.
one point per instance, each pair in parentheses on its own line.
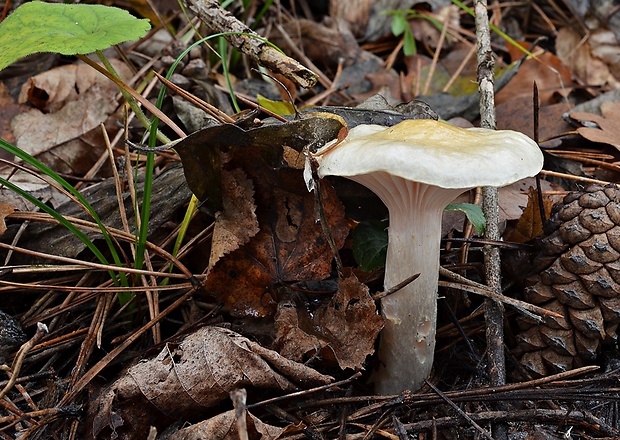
(407,343)
(417,167)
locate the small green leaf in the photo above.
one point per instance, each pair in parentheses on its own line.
(473,212)
(409,46)
(399,23)
(66,29)
(370,241)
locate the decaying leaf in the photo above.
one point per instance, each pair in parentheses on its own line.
(5,209)
(201,151)
(223,427)
(185,379)
(608,131)
(78,100)
(530,224)
(347,326)
(289,247)
(236,223)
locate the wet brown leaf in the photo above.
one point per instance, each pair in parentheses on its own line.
(201,151)
(608,131)
(289,247)
(185,379)
(347,326)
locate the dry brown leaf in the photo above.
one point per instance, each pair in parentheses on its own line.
(5,209)
(187,378)
(348,326)
(608,131)
(550,74)
(79,100)
(237,222)
(223,427)
(605,47)
(294,328)
(578,56)
(530,224)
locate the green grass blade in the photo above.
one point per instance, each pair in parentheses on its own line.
(27,158)
(495,29)
(62,220)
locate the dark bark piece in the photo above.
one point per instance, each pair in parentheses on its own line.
(169,193)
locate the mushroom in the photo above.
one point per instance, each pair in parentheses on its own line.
(416,168)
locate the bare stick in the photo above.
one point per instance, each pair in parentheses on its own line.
(494,310)
(250,43)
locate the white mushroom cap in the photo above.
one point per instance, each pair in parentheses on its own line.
(435,153)
(417,167)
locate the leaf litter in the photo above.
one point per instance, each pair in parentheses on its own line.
(262,257)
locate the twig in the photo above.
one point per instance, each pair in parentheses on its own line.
(21,355)
(306,392)
(250,43)
(520,305)
(573,177)
(380,295)
(494,311)
(460,412)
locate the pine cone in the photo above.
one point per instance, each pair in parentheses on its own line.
(578,277)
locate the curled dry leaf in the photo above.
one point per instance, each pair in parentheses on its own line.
(79,99)
(201,152)
(347,326)
(608,131)
(223,427)
(185,379)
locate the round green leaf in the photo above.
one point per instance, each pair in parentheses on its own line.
(66,29)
